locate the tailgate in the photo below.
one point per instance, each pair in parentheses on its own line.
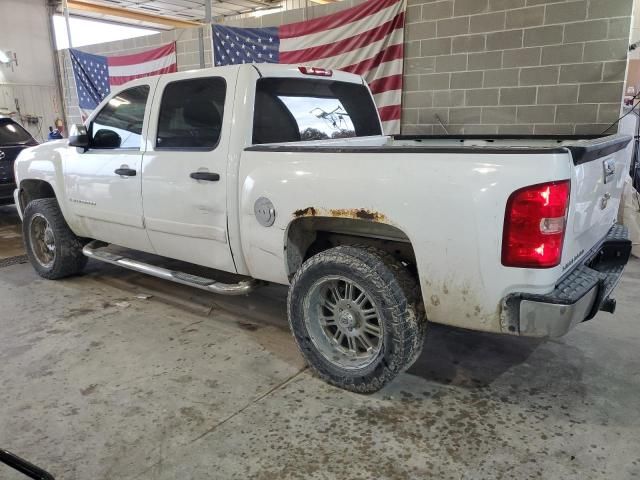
(600,167)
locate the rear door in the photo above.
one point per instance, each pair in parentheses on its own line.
(103,184)
(184,180)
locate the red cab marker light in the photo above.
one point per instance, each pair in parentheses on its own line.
(534,225)
(320,72)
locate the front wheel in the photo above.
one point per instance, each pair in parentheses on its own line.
(355,316)
(53,249)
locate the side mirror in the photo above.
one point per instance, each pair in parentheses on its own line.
(104,138)
(78,136)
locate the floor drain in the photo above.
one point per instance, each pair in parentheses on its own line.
(5,262)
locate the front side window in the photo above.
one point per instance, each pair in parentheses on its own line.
(119,123)
(191,114)
(295,109)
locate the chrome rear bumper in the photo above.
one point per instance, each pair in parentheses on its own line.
(577,297)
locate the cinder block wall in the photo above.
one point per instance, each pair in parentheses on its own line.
(514,66)
(481,66)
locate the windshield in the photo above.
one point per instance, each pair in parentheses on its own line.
(11,132)
(295,109)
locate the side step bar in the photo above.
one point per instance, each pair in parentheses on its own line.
(92,250)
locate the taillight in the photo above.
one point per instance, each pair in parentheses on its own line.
(320,72)
(534,225)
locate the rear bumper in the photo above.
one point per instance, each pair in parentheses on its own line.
(578,296)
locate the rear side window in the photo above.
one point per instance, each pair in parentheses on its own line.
(119,123)
(11,132)
(295,109)
(191,114)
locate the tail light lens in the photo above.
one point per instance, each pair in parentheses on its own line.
(534,225)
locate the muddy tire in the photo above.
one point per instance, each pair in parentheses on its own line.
(355,315)
(53,249)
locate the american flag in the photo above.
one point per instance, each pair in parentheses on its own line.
(366,39)
(96,74)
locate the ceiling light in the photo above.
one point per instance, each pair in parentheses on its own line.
(4,58)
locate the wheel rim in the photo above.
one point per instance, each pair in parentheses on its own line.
(42,240)
(343,322)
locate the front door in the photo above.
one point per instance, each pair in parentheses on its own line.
(184,171)
(103,184)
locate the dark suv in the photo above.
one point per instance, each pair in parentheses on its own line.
(13,139)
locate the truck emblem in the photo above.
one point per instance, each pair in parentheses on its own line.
(609,167)
(2,155)
(264,211)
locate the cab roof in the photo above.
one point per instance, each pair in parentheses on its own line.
(277,70)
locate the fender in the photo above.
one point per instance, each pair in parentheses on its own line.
(45,163)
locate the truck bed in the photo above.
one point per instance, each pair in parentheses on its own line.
(583,148)
(450,205)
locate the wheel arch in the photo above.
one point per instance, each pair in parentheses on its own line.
(308,235)
(34,189)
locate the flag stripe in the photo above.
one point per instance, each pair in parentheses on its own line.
(392,126)
(391,112)
(147,55)
(354,56)
(393,82)
(334,20)
(393,52)
(127,78)
(385,70)
(323,51)
(144,68)
(387,98)
(341,32)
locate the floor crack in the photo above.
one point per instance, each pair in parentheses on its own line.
(253,402)
(280,385)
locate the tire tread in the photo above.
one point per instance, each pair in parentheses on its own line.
(69,258)
(401,295)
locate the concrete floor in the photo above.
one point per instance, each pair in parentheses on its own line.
(101,381)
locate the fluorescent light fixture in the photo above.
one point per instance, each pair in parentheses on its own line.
(4,58)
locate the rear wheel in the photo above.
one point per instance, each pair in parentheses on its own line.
(53,249)
(355,316)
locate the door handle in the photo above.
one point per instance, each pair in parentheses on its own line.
(125,172)
(207,176)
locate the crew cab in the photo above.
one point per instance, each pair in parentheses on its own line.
(283,174)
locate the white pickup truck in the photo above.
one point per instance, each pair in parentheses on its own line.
(282,174)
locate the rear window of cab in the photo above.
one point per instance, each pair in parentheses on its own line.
(297,109)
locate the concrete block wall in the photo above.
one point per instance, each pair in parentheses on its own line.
(480,66)
(514,66)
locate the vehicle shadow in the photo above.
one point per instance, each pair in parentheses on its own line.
(451,356)
(465,358)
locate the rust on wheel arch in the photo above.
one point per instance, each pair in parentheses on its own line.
(305,212)
(357,213)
